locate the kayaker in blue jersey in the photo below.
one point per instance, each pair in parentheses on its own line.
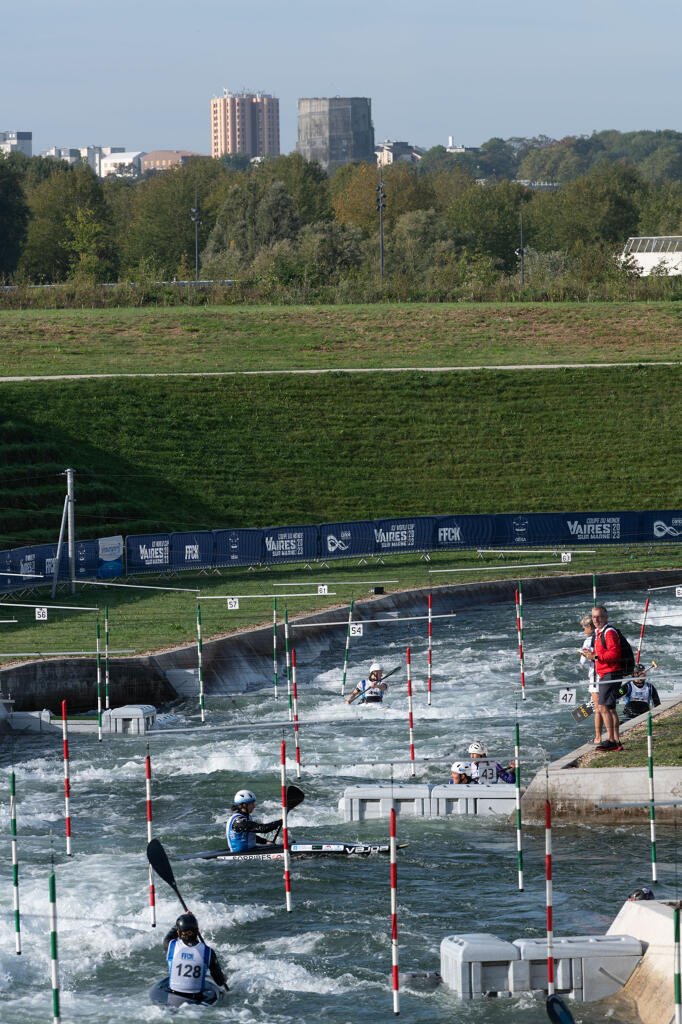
(639,694)
(189,958)
(242,832)
(372,690)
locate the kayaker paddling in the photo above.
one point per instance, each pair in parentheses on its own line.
(371,690)
(189,959)
(242,832)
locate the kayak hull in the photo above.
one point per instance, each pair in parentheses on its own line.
(296,850)
(159,995)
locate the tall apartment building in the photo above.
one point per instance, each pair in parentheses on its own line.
(244,123)
(16,142)
(336,131)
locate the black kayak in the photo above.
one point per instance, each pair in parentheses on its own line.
(210,995)
(297,850)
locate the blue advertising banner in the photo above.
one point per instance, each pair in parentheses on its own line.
(110,558)
(657,527)
(290,543)
(466,531)
(347,539)
(192,550)
(238,547)
(147,552)
(408,534)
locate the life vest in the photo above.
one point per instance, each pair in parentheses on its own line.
(239,841)
(187,966)
(637,699)
(371,693)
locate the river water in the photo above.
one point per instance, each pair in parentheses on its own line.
(330,958)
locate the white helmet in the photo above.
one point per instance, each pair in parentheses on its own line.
(376,666)
(461,767)
(478,748)
(244,796)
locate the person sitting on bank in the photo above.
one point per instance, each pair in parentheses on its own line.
(639,694)
(189,958)
(370,691)
(460,773)
(243,833)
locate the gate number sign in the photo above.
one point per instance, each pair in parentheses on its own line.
(41,614)
(323,588)
(356,629)
(566,556)
(567,698)
(232,604)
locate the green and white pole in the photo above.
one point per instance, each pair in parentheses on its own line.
(345,657)
(678,987)
(274,643)
(288,660)
(15,862)
(53,949)
(106,657)
(200,667)
(519,847)
(99,687)
(652,812)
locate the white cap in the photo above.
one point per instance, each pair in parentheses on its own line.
(376,666)
(478,748)
(461,767)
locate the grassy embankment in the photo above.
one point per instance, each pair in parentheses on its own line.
(197,453)
(666,734)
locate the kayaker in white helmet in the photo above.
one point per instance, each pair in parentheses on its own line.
(242,832)
(372,689)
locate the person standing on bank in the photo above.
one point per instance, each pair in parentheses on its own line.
(189,958)
(588,644)
(607,660)
(373,689)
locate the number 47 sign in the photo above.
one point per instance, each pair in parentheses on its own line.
(567,697)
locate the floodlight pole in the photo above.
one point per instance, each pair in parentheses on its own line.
(71,533)
(55,572)
(196,221)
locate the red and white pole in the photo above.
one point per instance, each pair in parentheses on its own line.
(429,676)
(409,709)
(548,898)
(148,779)
(67,788)
(394,917)
(641,633)
(285,832)
(295,696)
(519,631)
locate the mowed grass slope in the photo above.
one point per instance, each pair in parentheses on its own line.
(186,453)
(256,338)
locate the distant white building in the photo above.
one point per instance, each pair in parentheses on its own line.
(452,147)
(70,156)
(16,142)
(654,254)
(124,164)
(388,152)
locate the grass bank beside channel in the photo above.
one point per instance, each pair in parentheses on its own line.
(666,734)
(252,338)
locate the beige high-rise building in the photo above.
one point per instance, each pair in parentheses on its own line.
(244,123)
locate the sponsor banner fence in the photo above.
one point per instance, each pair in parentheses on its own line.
(204,549)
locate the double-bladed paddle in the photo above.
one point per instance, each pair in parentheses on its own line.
(383,679)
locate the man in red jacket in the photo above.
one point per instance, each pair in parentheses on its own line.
(607,659)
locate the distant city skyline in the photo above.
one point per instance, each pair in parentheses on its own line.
(77,76)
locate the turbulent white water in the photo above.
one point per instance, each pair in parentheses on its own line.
(330,958)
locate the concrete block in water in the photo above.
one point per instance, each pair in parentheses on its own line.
(476,963)
(474,799)
(366,802)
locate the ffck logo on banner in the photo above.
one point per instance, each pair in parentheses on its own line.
(191,552)
(449,535)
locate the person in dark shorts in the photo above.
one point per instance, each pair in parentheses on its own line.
(607,659)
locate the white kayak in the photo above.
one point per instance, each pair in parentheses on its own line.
(297,850)
(159,994)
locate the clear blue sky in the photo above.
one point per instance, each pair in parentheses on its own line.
(141,73)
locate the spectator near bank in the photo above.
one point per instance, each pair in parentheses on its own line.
(607,659)
(588,645)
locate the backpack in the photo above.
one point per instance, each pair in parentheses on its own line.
(627,657)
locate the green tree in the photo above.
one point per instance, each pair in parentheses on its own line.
(355,202)
(87,241)
(485,219)
(13,217)
(306,183)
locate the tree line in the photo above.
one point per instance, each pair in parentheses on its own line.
(283,230)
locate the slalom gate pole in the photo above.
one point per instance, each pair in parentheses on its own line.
(285,831)
(288,661)
(409,710)
(345,656)
(295,696)
(99,687)
(428,686)
(548,900)
(394,917)
(594,589)
(519,631)
(200,666)
(148,782)
(53,949)
(678,986)
(641,634)
(274,643)
(106,657)
(652,812)
(67,786)
(517,792)
(15,861)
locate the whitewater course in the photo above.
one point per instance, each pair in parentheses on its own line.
(330,958)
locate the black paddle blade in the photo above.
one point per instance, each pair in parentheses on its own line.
(157,857)
(295,796)
(558,1012)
